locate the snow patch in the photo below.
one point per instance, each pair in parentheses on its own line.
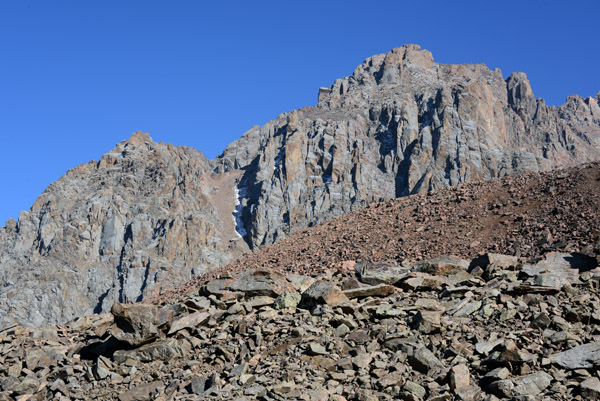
(237,212)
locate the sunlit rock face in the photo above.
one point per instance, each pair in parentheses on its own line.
(148,215)
(399,125)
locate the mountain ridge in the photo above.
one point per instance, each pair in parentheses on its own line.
(149,216)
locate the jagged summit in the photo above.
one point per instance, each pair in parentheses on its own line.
(401,124)
(150,215)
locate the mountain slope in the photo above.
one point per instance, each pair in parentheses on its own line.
(149,216)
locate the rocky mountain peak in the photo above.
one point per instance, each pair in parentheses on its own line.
(149,215)
(139,137)
(145,216)
(400,124)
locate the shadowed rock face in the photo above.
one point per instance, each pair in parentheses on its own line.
(401,124)
(149,215)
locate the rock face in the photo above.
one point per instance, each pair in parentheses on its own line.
(401,124)
(148,215)
(144,217)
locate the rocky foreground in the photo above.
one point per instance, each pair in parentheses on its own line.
(494,327)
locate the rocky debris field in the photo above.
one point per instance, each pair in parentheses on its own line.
(527,216)
(493,327)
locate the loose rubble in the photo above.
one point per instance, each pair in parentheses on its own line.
(494,327)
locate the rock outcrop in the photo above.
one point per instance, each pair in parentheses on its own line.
(148,216)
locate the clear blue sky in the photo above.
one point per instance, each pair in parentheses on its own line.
(76,77)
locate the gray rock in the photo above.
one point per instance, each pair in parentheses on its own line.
(156,351)
(28,385)
(582,357)
(425,361)
(590,389)
(502,388)
(459,376)
(138,323)
(380,290)
(380,273)
(532,384)
(287,300)
(142,392)
(427,322)
(190,321)
(316,349)
(415,389)
(261,282)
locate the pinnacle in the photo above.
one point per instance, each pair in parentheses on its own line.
(139,137)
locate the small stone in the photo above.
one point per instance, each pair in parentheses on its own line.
(468,309)
(498,374)
(137,324)
(284,388)
(425,361)
(380,290)
(160,350)
(362,360)
(391,379)
(541,321)
(415,389)
(189,322)
(459,376)
(317,349)
(239,370)
(532,384)
(581,357)
(259,301)
(502,388)
(468,393)
(485,347)
(590,389)
(28,385)
(359,336)
(198,385)
(427,322)
(341,330)
(287,300)
(142,392)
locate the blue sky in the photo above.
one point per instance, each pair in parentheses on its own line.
(76,77)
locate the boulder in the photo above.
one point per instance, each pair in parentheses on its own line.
(137,324)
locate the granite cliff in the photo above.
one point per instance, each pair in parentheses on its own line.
(149,216)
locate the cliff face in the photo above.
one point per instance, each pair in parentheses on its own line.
(144,217)
(148,216)
(401,124)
